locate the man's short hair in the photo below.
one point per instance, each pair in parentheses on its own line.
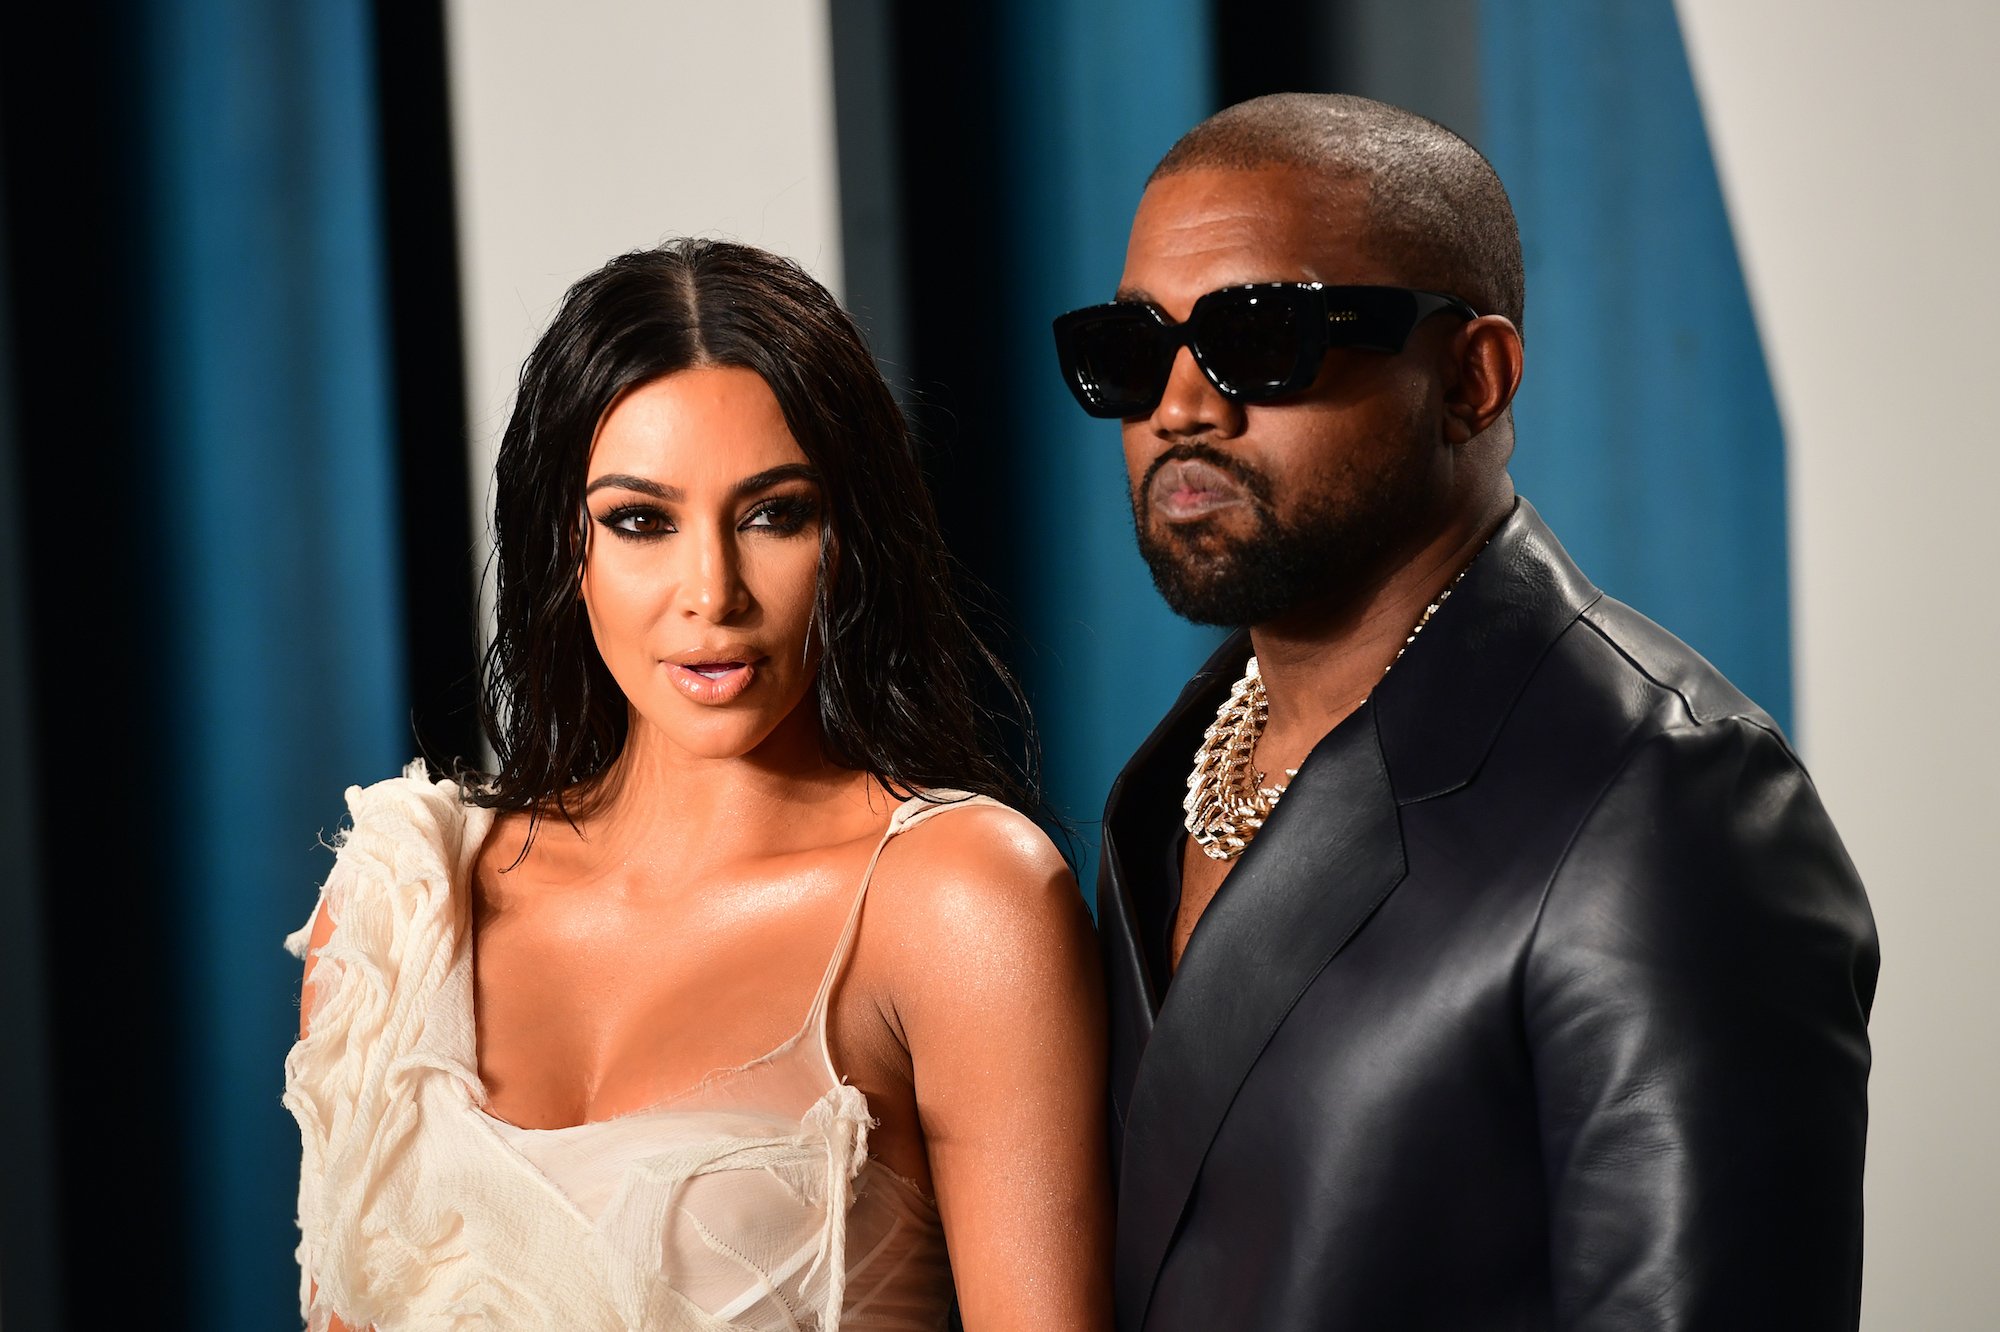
(1436,209)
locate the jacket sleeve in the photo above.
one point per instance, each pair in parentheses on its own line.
(1696,1001)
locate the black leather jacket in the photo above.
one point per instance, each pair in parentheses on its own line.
(1540,1001)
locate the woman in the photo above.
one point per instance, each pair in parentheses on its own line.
(740,990)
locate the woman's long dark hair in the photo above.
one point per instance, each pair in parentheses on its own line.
(905,689)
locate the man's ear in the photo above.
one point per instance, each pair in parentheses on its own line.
(1486,355)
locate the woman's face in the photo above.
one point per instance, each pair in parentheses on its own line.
(702,558)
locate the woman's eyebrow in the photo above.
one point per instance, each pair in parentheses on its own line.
(749,485)
(626,481)
(772,476)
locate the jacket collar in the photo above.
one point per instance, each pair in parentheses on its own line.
(1329,855)
(1441,708)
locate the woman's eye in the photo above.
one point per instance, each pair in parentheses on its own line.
(782,514)
(636,520)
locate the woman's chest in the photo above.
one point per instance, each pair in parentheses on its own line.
(587,1010)
(590,1004)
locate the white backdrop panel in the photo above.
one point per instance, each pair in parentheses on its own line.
(597,126)
(1856,143)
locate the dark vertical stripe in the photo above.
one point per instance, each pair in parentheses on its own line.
(427,377)
(913,130)
(871,215)
(942,89)
(30,1296)
(1422,57)
(91,529)
(1272,46)
(954,260)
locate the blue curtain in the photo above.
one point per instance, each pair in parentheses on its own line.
(274,451)
(1097,94)
(1649,435)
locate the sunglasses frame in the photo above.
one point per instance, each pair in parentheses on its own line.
(1363,318)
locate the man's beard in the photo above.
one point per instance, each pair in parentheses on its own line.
(1323,554)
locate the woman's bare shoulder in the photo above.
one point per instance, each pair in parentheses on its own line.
(985,857)
(981,882)
(986,956)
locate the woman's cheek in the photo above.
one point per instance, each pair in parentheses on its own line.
(618,604)
(785,583)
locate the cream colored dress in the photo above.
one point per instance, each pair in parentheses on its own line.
(747,1203)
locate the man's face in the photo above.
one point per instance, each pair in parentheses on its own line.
(1247,513)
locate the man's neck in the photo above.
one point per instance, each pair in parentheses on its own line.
(1319,666)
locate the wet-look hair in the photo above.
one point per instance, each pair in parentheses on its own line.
(905,689)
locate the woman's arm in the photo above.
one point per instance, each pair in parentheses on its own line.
(1002,1006)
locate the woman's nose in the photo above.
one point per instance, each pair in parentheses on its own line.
(712,586)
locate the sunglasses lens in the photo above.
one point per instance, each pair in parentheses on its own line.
(1252,341)
(1119,360)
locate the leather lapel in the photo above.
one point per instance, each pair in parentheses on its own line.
(1142,819)
(1326,859)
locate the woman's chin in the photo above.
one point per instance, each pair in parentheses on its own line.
(711,733)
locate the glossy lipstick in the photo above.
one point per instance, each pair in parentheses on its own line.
(713,681)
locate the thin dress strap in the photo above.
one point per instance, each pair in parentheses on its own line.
(908,815)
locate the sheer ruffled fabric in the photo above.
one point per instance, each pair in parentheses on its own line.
(730,1208)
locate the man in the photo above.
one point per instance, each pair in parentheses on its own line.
(1502,969)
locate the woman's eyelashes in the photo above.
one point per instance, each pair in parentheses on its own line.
(636,521)
(777,515)
(782,514)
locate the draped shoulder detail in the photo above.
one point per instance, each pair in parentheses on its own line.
(373,1030)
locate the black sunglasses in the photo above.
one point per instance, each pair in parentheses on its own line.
(1254,342)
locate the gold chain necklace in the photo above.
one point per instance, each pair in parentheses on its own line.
(1227,801)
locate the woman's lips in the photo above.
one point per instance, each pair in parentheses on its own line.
(713,682)
(1189,489)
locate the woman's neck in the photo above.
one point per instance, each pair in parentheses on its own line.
(659,797)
